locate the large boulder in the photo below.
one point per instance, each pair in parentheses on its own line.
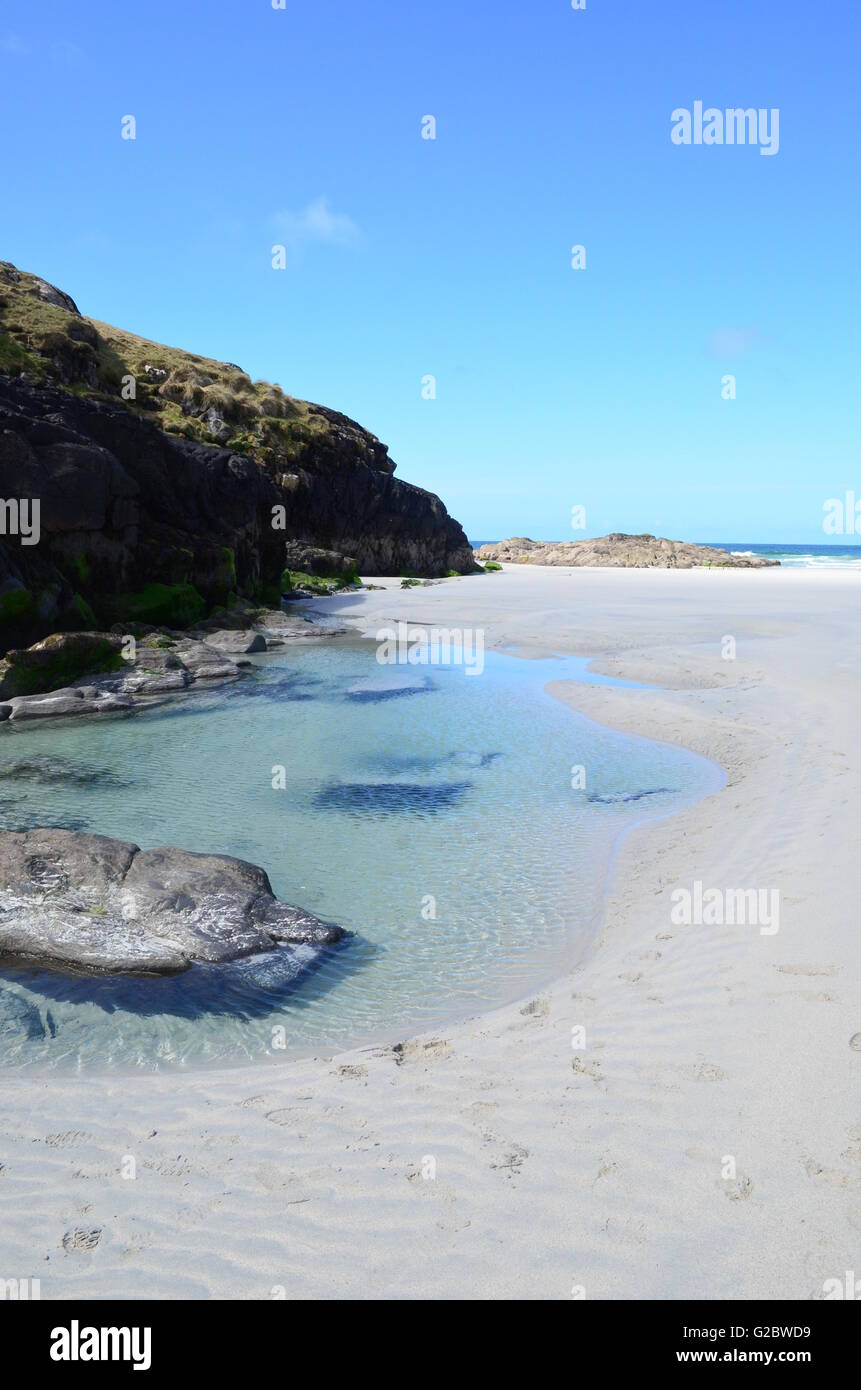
(80,902)
(57,661)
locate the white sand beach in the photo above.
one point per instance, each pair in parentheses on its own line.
(599,1170)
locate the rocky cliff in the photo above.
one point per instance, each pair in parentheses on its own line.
(620,550)
(167,482)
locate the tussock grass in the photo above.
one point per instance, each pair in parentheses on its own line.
(185,393)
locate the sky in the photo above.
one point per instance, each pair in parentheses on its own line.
(407,258)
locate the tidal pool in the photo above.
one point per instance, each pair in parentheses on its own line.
(444,826)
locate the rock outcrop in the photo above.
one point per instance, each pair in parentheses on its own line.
(80,902)
(75,673)
(618,549)
(166,482)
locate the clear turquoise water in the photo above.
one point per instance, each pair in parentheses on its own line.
(439,827)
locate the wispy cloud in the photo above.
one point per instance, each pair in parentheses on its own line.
(730,342)
(63,53)
(315,223)
(14,46)
(67,54)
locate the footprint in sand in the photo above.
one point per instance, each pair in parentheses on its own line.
(589,1069)
(739,1189)
(480,1109)
(82,1238)
(417,1051)
(509,1156)
(805,970)
(832,1176)
(703,1071)
(537,1008)
(177,1167)
(281,1117)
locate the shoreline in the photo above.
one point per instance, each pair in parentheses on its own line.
(600,1167)
(573,948)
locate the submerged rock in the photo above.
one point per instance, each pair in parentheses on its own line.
(388,687)
(87,902)
(617,798)
(19,1018)
(52,770)
(388,797)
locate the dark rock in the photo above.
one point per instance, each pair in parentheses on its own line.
(57,660)
(52,295)
(135,520)
(312,559)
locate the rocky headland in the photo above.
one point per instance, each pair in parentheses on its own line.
(618,549)
(168,483)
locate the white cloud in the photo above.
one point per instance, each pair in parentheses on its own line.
(315,223)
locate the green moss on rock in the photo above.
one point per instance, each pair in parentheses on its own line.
(57,661)
(85,612)
(315,583)
(16,606)
(162,605)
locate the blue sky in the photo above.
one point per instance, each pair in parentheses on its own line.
(408,257)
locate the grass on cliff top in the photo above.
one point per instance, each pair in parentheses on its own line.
(198,397)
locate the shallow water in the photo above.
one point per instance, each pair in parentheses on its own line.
(439,825)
